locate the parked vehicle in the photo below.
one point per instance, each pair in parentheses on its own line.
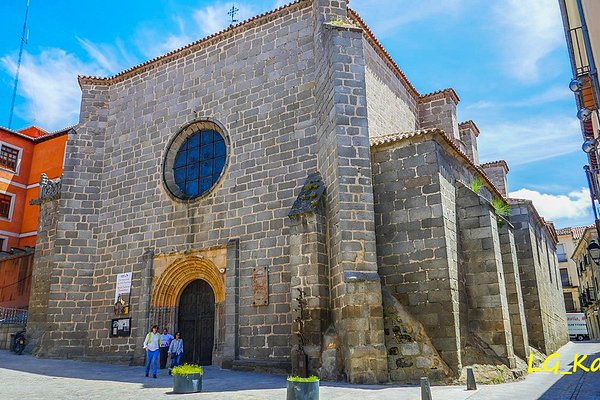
(20,342)
(577,326)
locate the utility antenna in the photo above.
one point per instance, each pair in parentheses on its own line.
(24,39)
(232,13)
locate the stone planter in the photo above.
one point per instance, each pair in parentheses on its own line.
(302,390)
(191,383)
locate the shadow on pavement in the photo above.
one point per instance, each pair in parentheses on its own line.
(577,385)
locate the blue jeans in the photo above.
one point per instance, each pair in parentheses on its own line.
(175,359)
(152,358)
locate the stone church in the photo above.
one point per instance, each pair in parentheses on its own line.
(289,154)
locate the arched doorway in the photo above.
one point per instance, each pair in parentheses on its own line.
(196,322)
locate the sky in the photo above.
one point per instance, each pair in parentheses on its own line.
(506,59)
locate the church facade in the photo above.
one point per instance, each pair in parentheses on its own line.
(289,160)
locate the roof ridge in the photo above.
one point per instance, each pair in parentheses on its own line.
(156,61)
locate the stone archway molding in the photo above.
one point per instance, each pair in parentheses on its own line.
(179,274)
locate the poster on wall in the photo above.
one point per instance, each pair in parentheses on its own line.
(123,294)
(120,327)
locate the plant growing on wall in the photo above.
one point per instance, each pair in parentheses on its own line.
(476,184)
(501,208)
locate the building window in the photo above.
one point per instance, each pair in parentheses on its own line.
(9,157)
(195,160)
(560,252)
(5,203)
(3,242)
(564,277)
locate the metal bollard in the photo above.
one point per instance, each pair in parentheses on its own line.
(471,385)
(425,389)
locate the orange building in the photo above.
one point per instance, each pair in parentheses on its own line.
(24,155)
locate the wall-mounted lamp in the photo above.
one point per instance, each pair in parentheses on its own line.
(594,250)
(590,145)
(576,84)
(584,114)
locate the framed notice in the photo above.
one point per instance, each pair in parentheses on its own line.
(120,327)
(123,294)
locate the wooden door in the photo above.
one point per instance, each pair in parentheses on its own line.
(197,322)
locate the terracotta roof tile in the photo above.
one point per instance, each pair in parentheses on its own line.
(439,94)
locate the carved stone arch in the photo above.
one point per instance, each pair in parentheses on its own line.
(179,274)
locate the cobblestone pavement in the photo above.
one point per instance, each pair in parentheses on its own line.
(25,377)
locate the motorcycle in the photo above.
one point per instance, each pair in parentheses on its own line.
(19,342)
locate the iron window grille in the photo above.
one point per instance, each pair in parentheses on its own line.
(9,157)
(5,201)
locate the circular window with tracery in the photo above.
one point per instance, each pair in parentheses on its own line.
(195,160)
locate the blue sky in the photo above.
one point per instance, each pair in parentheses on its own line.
(506,59)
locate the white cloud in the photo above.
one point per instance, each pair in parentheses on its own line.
(529,140)
(574,205)
(552,94)
(48,81)
(528,33)
(386,16)
(109,58)
(212,19)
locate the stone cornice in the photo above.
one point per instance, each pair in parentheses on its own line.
(438,95)
(470,125)
(498,163)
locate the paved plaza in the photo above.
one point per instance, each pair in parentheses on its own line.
(26,377)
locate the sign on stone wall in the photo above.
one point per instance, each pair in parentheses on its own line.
(260,286)
(123,294)
(120,327)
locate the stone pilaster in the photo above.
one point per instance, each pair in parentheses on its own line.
(496,171)
(43,264)
(344,162)
(438,110)
(514,296)
(468,135)
(488,313)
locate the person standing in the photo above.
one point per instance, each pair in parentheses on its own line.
(152,345)
(165,338)
(176,351)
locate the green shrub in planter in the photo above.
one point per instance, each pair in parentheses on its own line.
(187,378)
(303,388)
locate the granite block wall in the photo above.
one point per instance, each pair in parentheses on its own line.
(540,283)
(481,257)
(416,255)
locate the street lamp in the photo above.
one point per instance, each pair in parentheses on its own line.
(594,250)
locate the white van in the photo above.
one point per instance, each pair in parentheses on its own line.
(577,327)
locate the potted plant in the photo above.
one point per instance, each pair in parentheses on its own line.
(187,378)
(302,388)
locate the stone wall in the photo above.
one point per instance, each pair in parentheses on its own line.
(43,264)
(344,162)
(391,107)
(540,279)
(416,254)
(481,259)
(438,110)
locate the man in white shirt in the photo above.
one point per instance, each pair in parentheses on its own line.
(152,345)
(165,338)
